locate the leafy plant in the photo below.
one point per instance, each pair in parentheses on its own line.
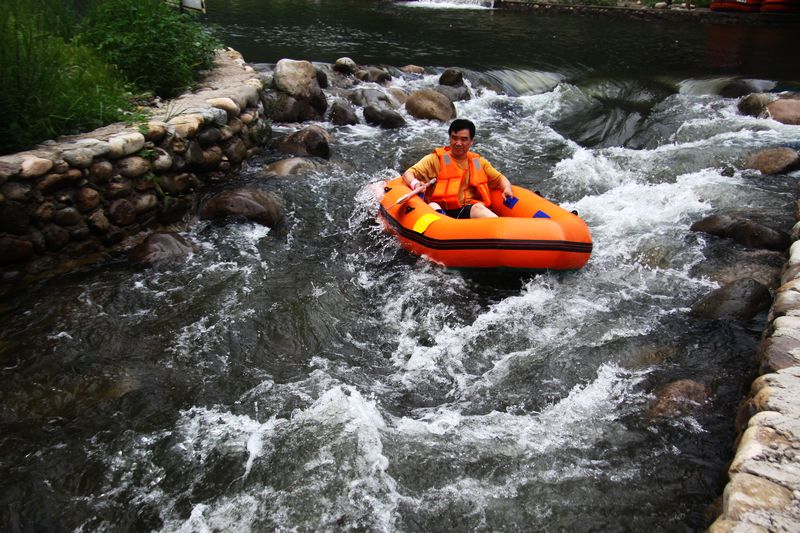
(51,85)
(154,45)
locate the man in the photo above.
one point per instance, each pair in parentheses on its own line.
(463,178)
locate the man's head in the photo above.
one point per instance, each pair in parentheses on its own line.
(462,134)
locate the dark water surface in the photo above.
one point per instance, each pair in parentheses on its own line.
(317,377)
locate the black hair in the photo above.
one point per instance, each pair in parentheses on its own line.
(462,124)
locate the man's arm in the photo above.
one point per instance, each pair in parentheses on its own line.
(497,180)
(423,171)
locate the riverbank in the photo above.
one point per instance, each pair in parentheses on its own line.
(661,11)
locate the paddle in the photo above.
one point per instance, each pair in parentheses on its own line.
(418,190)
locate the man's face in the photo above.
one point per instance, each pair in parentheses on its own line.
(460,143)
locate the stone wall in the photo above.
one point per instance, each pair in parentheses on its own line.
(763,492)
(78,199)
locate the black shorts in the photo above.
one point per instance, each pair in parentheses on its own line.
(459,212)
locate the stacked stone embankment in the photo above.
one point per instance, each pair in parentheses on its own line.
(78,199)
(763,491)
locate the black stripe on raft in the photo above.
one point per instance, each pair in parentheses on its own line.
(490,244)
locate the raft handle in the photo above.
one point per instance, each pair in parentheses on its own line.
(387,189)
(575,212)
(409,209)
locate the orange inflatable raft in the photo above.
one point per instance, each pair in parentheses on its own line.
(531,234)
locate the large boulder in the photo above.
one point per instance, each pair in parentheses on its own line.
(312,140)
(299,80)
(342,113)
(366,97)
(430,104)
(452,77)
(249,203)
(454,94)
(755,104)
(374,75)
(160,247)
(385,118)
(744,231)
(774,161)
(741,300)
(785,110)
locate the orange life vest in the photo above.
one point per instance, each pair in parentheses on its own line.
(450,177)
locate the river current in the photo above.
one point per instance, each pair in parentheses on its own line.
(318,377)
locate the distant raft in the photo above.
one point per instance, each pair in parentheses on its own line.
(530,234)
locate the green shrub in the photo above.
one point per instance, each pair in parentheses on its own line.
(50,86)
(154,45)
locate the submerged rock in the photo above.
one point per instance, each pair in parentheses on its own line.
(160,247)
(744,231)
(741,300)
(774,161)
(312,140)
(385,118)
(430,104)
(249,203)
(679,398)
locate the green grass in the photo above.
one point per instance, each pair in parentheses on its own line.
(70,66)
(51,86)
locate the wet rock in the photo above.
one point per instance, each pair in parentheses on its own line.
(292,166)
(122,212)
(741,300)
(179,183)
(208,136)
(743,86)
(14,249)
(14,218)
(778,352)
(33,167)
(429,104)
(345,65)
(87,199)
(54,182)
(235,151)
(249,203)
(119,188)
(145,202)
(785,110)
(101,171)
(299,80)
(398,94)
(374,75)
(281,107)
(342,113)
(133,166)
(774,161)
(312,140)
(452,77)
(454,94)
(755,105)
(744,231)
(55,237)
(162,162)
(679,398)
(68,216)
(44,212)
(413,69)
(16,191)
(173,210)
(384,118)
(160,247)
(98,222)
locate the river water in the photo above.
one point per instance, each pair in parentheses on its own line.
(317,377)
